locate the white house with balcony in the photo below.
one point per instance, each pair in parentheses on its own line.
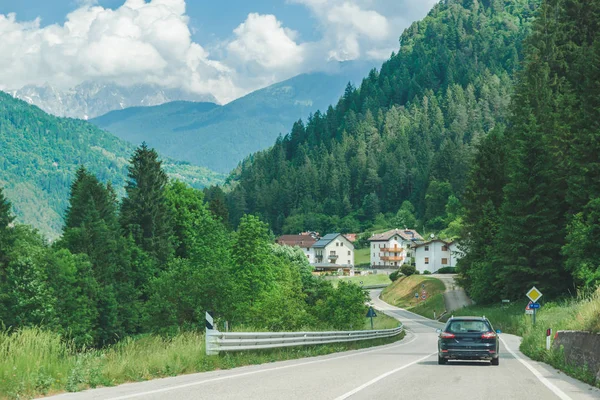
(393,248)
(333,251)
(433,255)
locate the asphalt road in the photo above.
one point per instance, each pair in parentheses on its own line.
(407,370)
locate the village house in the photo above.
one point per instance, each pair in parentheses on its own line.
(435,254)
(333,251)
(305,242)
(393,248)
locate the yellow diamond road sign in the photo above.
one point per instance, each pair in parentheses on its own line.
(534,294)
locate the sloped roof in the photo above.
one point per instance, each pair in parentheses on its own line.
(296,240)
(325,240)
(406,234)
(432,241)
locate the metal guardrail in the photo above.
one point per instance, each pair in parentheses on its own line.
(237,341)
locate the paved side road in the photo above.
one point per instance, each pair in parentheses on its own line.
(407,369)
(455,297)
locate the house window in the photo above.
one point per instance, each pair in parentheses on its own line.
(332,253)
(348,253)
(444,248)
(374,255)
(426,260)
(426,248)
(444,261)
(337,244)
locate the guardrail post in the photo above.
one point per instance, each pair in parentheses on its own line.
(212,348)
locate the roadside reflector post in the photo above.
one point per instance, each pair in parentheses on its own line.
(211,336)
(548,336)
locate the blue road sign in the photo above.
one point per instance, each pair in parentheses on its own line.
(534,305)
(371,313)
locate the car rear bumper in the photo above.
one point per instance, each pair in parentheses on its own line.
(464,354)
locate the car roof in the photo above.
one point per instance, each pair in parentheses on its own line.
(468,319)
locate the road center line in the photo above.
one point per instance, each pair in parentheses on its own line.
(380,377)
(221,378)
(538,375)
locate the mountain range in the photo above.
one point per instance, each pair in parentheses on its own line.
(219,137)
(91,99)
(40,154)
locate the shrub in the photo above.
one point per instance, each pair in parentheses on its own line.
(446,270)
(408,270)
(426,272)
(394,276)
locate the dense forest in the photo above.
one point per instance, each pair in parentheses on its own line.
(404,138)
(155,262)
(40,153)
(533,197)
(484,127)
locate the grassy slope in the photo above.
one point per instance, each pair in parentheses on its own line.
(402,292)
(362,256)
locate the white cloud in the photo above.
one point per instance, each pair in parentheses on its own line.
(262,39)
(355,29)
(151,42)
(137,43)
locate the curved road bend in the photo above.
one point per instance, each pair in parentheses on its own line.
(407,369)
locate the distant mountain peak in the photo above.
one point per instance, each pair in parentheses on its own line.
(91,99)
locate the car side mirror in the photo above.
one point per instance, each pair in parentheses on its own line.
(498,331)
(438,331)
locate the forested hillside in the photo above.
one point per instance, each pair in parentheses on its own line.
(406,134)
(533,198)
(219,137)
(40,154)
(154,263)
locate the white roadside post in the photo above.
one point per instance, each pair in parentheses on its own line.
(548,338)
(211,336)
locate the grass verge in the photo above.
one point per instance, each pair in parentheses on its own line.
(34,362)
(402,294)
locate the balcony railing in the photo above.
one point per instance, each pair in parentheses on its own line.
(392,258)
(393,249)
(332,256)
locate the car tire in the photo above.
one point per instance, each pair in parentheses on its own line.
(496,361)
(441,360)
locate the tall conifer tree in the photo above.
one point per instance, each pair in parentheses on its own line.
(144,212)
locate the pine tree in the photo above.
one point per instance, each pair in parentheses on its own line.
(144,213)
(483,199)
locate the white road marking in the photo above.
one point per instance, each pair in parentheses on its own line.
(538,375)
(380,377)
(221,378)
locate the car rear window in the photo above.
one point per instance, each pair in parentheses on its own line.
(466,326)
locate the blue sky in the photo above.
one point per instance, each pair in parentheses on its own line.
(226,48)
(209,19)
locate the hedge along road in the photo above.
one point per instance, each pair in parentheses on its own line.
(407,369)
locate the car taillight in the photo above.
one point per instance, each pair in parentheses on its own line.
(446,335)
(488,335)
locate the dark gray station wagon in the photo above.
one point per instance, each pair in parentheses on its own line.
(468,338)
